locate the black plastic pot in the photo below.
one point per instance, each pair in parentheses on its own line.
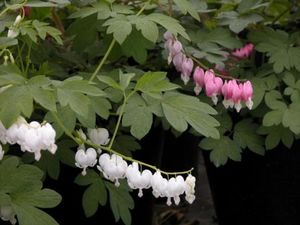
(259,190)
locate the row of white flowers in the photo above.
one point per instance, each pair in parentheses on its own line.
(32,137)
(114,167)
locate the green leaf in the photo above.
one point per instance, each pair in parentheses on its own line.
(238,22)
(7,42)
(78,102)
(136,46)
(88,121)
(29,215)
(126,144)
(136,111)
(45,198)
(155,82)
(221,149)
(10,74)
(88,37)
(120,27)
(120,202)
(45,98)
(168,23)
(22,100)
(279,46)
(273,100)
(181,109)
(148,28)
(53,3)
(94,195)
(187,7)
(110,82)
(291,118)
(245,135)
(82,86)
(125,79)
(50,164)
(22,183)
(66,115)
(101,106)
(275,134)
(43,29)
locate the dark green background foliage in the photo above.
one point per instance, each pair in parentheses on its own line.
(59,46)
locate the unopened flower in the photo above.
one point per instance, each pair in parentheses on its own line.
(85,159)
(12,32)
(190,183)
(113,167)
(99,136)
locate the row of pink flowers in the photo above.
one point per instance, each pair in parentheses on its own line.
(234,93)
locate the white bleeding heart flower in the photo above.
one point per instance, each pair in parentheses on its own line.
(32,137)
(138,180)
(7,214)
(99,136)
(85,159)
(113,167)
(159,185)
(190,183)
(175,188)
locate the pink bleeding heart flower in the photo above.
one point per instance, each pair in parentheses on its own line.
(198,79)
(247,94)
(177,61)
(187,68)
(213,88)
(168,35)
(227,91)
(209,75)
(244,52)
(174,49)
(237,96)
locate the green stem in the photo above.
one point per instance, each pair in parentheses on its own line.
(280,15)
(62,126)
(112,44)
(217,74)
(13,7)
(118,122)
(28,59)
(126,98)
(20,58)
(143,8)
(127,158)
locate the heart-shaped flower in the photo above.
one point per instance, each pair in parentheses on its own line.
(85,159)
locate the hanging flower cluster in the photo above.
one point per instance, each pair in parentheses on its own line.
(234,93)
(114,167)
(32,137)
